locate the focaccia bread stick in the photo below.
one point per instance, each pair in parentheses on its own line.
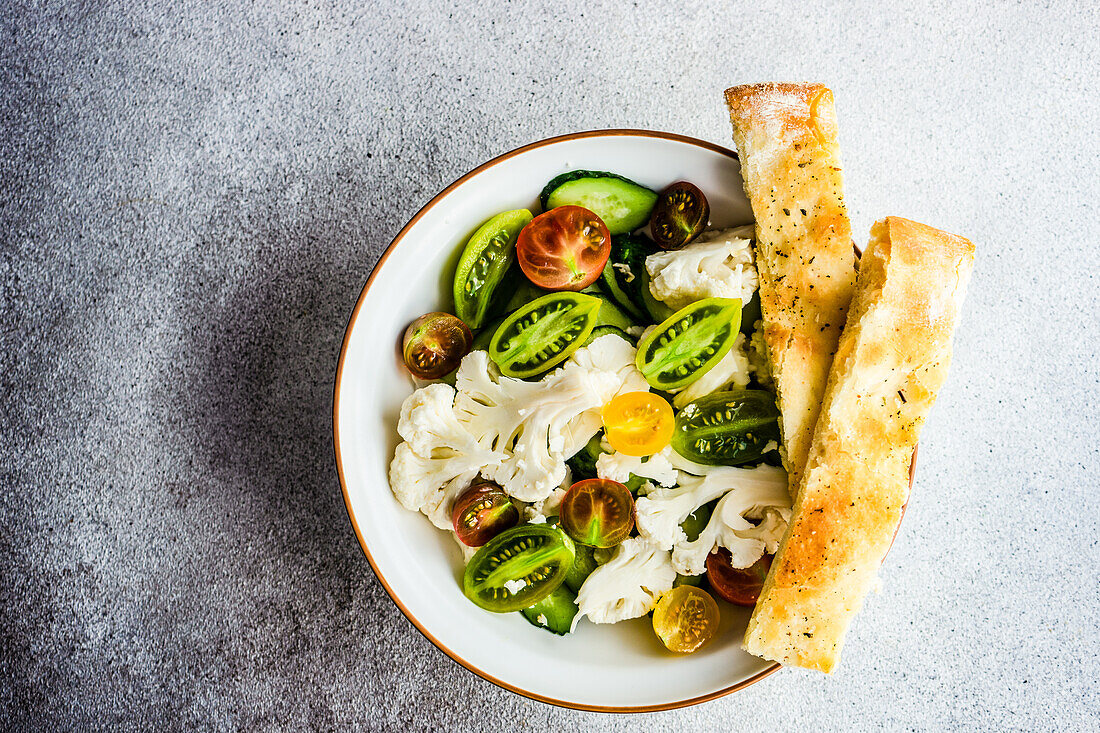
(892,359)
(786,136)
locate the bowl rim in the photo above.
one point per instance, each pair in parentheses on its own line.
(613,132)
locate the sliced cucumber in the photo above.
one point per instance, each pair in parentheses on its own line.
(657,310)
(695,580)
(485,335)
(610,331)
(622,277)
(554,613)
(622,204)
(583,566)
(583,463)
(611,315)
(523,294)
(697,521)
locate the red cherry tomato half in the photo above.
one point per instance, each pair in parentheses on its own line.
(482,512)
(564,249)
(597,512)
(740,586)
(434,345)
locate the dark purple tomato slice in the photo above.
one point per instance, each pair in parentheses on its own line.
(679,216)
(597,512)
(739,586)
(434,345)
(482,512)
(564,249)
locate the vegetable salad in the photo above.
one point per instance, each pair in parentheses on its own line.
(597,429)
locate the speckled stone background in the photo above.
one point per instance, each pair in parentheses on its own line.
(191,197)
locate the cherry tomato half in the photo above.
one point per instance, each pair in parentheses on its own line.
(679,216)
(434,345)
(482,512)
(597,512)
(564,249)
(638,423)
(685,618)
(739,586)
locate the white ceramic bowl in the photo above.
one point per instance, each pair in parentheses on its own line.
(621,667)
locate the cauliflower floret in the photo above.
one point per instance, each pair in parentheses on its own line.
(757,354)
(757,493)
(659,514)
(627,586)
(439,457)
(718,264)
(762,495)
(731,371)
(538,512)
(618,466)
(537,425)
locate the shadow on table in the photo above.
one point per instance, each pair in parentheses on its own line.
(270,336)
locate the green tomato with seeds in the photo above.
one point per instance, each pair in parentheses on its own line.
(543,333)
(486,261)
(518,568)
(727,428)
(689,343)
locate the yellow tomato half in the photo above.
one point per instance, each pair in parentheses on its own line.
(685,619)
(638,423)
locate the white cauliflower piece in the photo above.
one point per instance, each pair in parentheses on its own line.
(538,512)
(770,529)
(627,586)
(439,457)
(614,355)
(537,425)
(732,371)
(719,264)
(754,493)
(659,514)
(618,466)
(746,493)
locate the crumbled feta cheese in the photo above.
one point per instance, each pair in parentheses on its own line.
(515,586)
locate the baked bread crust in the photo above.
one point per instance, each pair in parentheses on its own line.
(786,136)
(892,359)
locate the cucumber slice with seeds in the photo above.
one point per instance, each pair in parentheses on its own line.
(625,275)
(610,331)
(554,613)
(611,315)
(622,204)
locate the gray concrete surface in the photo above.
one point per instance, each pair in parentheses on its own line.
(193,195)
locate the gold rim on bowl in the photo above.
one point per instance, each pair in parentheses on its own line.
(336,431)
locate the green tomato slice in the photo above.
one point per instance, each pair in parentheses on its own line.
(622,204)
(484,265)
(543,333)
(727,428)
(689,344)
(518,568)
